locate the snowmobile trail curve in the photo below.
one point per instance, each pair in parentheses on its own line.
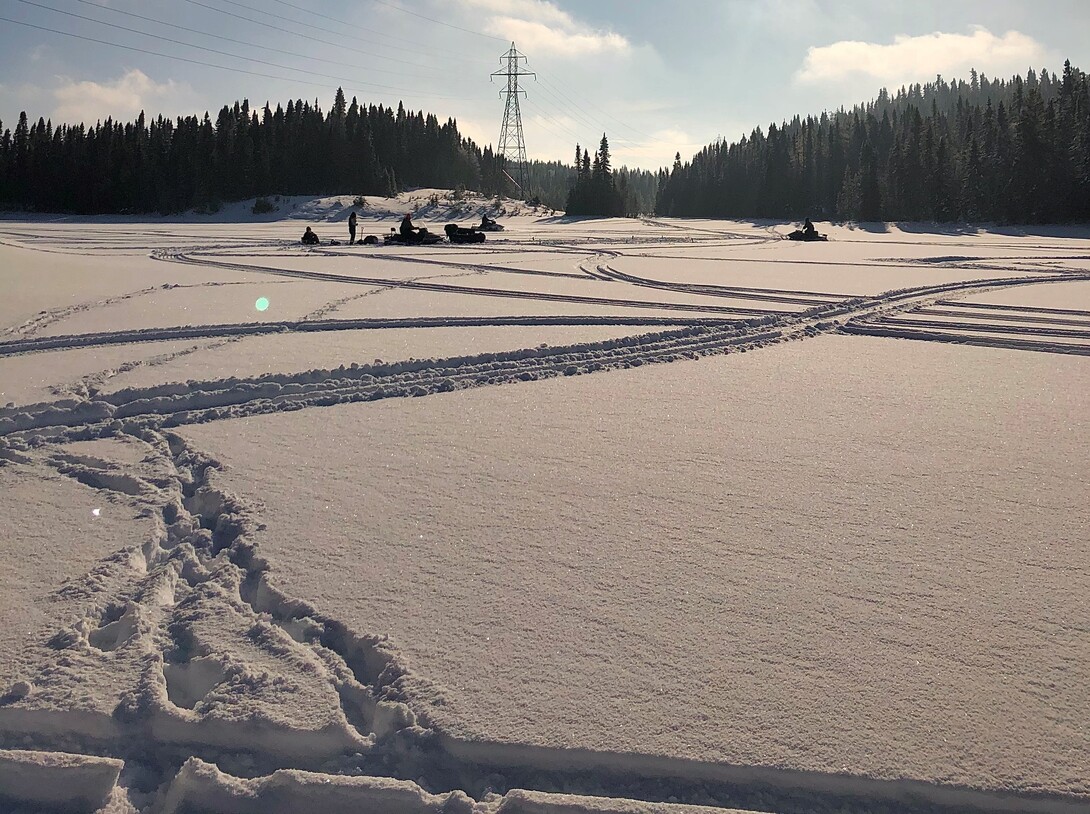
(204,647)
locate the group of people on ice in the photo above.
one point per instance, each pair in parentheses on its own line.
(407,233)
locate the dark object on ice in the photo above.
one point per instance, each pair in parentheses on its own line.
(309,238)
(417,238)
(370,240)
(489,225)
(352,228)
(458,234)
(409,232)
(807,234)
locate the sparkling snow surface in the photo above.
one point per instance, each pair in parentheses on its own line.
(656,513)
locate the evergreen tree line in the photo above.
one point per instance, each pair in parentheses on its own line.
(598,189)
(982,150)
(552,182)
(172,166)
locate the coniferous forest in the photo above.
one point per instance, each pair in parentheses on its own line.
(982,150)
(985,149)
(171,166)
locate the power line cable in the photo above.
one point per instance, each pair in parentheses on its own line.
(248,44)
(547,119)
(209,50)
(569,111)
(549,84)
(299,34)
(198,62)
(440,22)
(623,124)
(383,33)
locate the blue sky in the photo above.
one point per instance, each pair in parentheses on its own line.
(656,77)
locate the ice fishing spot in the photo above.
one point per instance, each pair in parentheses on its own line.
(262,304)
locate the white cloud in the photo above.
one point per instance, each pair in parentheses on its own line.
(122,99)
(540,11)
(541,27)
(658,152)
(919,59)
(540,38)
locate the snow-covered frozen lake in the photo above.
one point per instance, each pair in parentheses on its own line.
(673,512)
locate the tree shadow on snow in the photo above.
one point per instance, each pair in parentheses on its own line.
(1071,232)
(572,218)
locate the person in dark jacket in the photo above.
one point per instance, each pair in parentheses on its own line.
(309,238)
(352,228)
(809,229)
(410,232)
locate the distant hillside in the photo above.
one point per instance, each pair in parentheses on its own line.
(982,150)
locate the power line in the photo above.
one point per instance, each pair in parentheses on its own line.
(568,110)
(626,126)
(546,120)
(299,34)
(383,33)
(197,62)
(209,50)
(439,22)
(266,13)
(243,42)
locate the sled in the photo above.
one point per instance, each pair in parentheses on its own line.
(423,238)
(458,234)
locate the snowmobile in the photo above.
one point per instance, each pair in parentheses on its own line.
(489,226)
(421,238)
(799,234)
(459,234)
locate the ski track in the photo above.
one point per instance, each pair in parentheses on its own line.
(166,746)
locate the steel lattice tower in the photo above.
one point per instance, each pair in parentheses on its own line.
(512,144)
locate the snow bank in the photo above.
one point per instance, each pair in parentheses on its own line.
(57,779)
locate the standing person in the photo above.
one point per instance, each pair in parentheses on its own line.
(352,228)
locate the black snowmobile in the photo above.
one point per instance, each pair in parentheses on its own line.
(799,234)
(489,225)
(459,234)
(421,238)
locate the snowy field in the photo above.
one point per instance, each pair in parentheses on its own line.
(597,516)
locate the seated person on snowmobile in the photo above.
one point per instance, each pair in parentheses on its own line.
(410,233)
(807,233)
(309,238)
(487,222)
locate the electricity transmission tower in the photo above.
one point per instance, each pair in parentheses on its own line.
(512,145)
